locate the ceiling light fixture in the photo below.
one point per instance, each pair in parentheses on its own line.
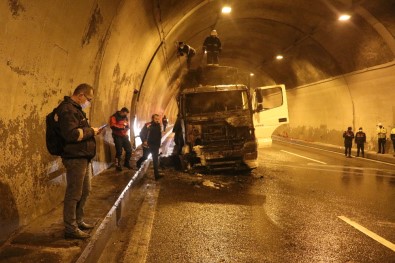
(226,9)
(279,57)
(344,17)
(251,74)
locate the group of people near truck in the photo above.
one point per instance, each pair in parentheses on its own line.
(360,140)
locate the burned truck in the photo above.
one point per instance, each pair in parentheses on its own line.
(215,130)
(221,120)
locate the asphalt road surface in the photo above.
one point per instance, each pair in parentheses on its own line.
(300,205)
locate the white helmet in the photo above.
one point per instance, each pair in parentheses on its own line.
(214,33)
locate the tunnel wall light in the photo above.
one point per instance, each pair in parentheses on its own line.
(226,9)
(279,57)
(251,74)
(344,17)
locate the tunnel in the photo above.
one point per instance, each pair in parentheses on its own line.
(337,73)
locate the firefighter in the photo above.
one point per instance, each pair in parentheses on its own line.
(348,136)
(212,45)
(119,124)
(382,137)
(360,140)
(184,49)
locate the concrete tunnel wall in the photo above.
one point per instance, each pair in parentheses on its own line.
(48,47)
(46,50)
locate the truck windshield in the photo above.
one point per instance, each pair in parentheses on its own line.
(209,102)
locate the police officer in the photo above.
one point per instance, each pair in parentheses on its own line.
(119,124)
(151,135)
(348,136)
(360,140)
(382,137)
(212,45)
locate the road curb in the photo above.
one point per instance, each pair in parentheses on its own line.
(98,241)
(387,158)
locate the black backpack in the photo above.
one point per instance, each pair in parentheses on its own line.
(54,140)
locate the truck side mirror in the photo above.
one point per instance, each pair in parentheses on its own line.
(259,108)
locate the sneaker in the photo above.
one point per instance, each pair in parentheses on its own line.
(85,226)
(78,234)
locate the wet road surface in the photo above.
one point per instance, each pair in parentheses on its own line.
(300,205)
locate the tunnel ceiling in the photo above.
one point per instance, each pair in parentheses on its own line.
(314,43)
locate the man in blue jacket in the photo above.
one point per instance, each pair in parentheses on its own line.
(79,149)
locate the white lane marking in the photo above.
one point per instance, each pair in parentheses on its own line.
(369,233)
(137,250)
(323,150)
(301,156)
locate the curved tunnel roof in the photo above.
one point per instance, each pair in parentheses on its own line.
(314,43)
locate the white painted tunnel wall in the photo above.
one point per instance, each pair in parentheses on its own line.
(321,111)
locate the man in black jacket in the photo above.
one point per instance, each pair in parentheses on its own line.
(79,149)
(360,140)
(151,136)
(348,136)
(187,50)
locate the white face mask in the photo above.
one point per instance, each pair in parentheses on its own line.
(86,104)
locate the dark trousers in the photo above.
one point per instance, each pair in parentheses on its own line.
(347,149)
(154,150)
(78,176)
(360,148)
(144,157)
(381,142)
(212,57)
(189,58)
(164,126)
(122,142)
(393,144)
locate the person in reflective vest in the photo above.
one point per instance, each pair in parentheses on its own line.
(381,137)
(119,124)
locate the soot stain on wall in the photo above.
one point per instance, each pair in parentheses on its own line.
(15,7)
(93,26)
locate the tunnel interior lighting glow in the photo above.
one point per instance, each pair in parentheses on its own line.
(226,9)
(251,74)
(344,17)
(279,57)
